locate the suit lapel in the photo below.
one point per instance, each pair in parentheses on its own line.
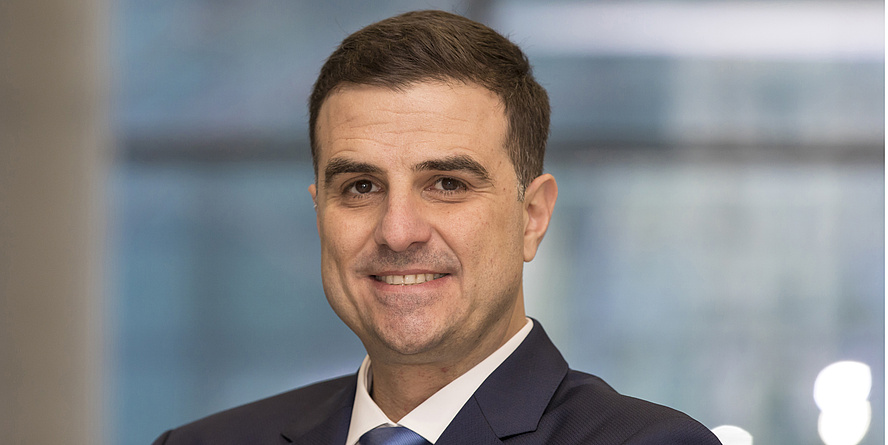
(469,426)
(513,398)
(327,423)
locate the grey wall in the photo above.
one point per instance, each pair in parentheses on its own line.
(54,146)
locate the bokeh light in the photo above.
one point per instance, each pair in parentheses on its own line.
(841,391)
(732,435)
(846,426)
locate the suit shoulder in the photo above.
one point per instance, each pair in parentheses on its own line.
(590,408)
(299,400)
(582,390)
(252,422)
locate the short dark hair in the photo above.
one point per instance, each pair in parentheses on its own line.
(439,46)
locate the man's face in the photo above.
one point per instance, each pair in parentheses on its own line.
(421,226)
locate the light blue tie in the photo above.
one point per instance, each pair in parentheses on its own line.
(391,435)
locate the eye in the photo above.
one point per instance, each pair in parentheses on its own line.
(362,187)
(449,185)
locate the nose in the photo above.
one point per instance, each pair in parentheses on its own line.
(402,223)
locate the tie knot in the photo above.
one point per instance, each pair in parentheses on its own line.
(391,435)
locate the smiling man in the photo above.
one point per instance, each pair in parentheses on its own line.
(428,133)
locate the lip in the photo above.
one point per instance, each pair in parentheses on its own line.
(406,272)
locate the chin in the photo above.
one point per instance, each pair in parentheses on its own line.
(412,338)
(409,349)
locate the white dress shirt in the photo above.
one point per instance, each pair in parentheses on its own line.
(432,416)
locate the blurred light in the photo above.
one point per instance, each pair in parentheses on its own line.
(732,435)
(841,391)
(813,30)
(846,426)
(842,384)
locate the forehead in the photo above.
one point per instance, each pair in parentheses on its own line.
(416,118)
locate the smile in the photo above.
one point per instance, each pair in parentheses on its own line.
(408,280)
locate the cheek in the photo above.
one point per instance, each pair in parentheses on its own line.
(494,237)
(341,236)
(339,246)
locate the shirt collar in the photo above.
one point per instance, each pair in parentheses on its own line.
(432,416)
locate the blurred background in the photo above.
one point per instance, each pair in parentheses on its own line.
(718,240)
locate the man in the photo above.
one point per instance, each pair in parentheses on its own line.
(427,134)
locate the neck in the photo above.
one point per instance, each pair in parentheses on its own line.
(398,388)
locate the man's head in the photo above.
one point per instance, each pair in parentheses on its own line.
(424,219)
(435,45)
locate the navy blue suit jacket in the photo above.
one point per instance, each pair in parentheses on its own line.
(532,398)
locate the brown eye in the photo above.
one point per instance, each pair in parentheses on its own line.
(450,184)
(447,188)
(363,186)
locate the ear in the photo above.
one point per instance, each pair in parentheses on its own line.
(539,202)
(313,191)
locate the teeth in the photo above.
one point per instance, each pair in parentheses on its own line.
(405,280)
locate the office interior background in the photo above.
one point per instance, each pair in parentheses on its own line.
(718,240)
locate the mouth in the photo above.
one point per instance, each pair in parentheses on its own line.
(408,280)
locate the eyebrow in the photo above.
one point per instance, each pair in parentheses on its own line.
(455,163)
(339,166)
